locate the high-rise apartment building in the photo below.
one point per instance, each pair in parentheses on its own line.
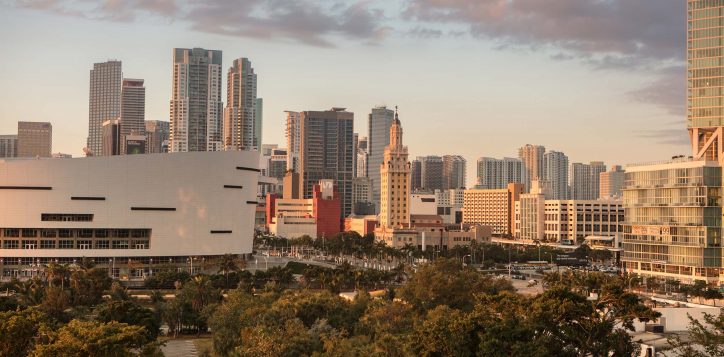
(532,157)
(498,173)
(196,106)
(8,145)
(597,167)
(293,134)
(380,122)
(454,170)
(705,84)
(242,124)
(133,111)
(157,133)
(362,158)
(35,139)
(327,152)
(611,183)
(555,173)
(673,210)
(104,102)
(431,173)
(585,180)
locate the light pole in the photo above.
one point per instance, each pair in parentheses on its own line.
(463,260)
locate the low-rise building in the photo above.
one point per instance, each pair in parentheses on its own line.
(363,225)
(295,217)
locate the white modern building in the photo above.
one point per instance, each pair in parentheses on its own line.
(128,213)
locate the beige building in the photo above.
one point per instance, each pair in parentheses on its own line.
(532,157)
(611,183)
(494,208)
(8,145)
(394,221)
(35,139)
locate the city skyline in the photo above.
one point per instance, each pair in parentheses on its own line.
(601,84)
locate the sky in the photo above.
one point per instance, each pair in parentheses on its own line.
(596,79)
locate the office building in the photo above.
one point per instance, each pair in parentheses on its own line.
(327,152)
(361,194)
(293,134)
(450,205)
(128,213)
(498,173)
(454,171)
(585,180)
(157,133)
(111,134)
(431,168)
(196,106)
(104,102)
(555,173)
(611,183)
(8,146)
(242,123)
(35,139)
(422,203)
(597,167)
(493,207)
(133,112)
(380,122)
(529,213)
(416,175)
(532,157)
(134,144)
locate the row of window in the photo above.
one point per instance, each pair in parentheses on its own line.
(74,244)
(74,233)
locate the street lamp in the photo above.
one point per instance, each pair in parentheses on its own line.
(463,260)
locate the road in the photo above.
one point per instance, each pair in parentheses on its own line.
(179,348)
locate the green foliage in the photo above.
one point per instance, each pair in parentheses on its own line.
(166,278)
(89,338)
(19,329)
(128,312)
(446,282)
(705,339)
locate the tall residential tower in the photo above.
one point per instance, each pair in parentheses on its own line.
(104,102)
(196,107)
(242,123)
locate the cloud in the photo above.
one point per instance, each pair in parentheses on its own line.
(630,31)
(676,136)
(668,90)
(307,21)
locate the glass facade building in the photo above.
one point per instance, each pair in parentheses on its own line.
(673,215)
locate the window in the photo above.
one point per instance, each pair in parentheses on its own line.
(47,244)
(65,244)
(29,244)
(48,233)
(101,233)
(12,232)
(11,244)
(66,217)
(30,233)
(84,244)
(65,233)
(85,233)
(120,244)
(103,244)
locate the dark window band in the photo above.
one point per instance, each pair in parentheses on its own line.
(252,202)
(233,186)
(247,169)
(220,232)
(25,188)
(79,198)
(153,209)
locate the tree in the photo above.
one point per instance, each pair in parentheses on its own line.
(446,282)
(57,272)
(228,264)
(55,302)
(709,336)
(444,332)
(90,338)
(128,312)
(19,329)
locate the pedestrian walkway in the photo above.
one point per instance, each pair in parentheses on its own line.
(179,348)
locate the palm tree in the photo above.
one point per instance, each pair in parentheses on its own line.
(57,271)
(228,264)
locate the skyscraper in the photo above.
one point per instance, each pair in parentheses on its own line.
(133,110)
(327,152)
(580,182)
(532,157)
(35,139)
(157,133)
(196,106)
(705,86)
(597,167)
(8,145)
(380,122)
(111,131)
(498,173)
(395,182)
(293,133)
(104,102)
(241,129)
(432,172)
(416,175)
(555,173)
(454,169)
